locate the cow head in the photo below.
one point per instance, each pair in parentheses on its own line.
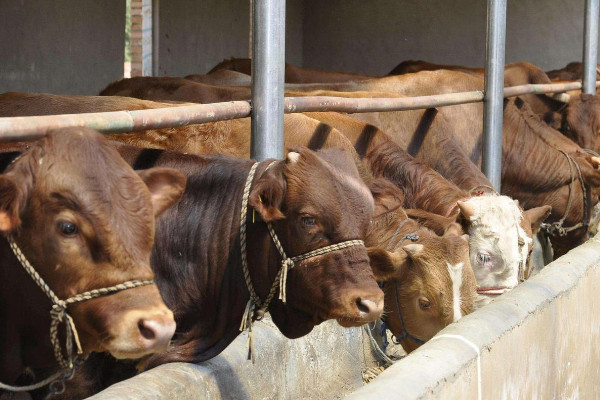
(429,284)
(315,200)
(85,220)
(499,244)
(580,120)
(428,279)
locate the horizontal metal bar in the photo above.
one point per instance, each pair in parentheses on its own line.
(32,128)
(352,105)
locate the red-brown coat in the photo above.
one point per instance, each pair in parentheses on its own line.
(84,220)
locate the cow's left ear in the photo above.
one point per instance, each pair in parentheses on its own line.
(387,265)
(267,194)
(537,215)
(166,186)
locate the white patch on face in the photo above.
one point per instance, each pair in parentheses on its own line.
(495,231)
(293,157)
(455,272)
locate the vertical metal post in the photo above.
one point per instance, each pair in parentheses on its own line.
(590,46)
(268,68)
(494,85)
(155,36)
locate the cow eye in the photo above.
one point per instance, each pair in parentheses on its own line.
(424,303)
(308,221)
(67,228)
(483,258)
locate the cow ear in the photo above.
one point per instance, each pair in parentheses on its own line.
(12,203)
(267,194)
(385,264)
(439,224)
(386,195)
(166,186)
(537,215)
(413,250)
(454,229)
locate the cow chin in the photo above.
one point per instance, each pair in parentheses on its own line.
(292,323)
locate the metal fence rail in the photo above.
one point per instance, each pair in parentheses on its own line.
(32,128)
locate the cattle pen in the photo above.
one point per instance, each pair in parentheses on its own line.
(462,360)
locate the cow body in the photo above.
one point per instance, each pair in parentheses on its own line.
(84,220)
(293,74)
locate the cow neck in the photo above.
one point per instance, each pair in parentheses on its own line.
(413,237)
(256,307)
(58,315)
(547,166)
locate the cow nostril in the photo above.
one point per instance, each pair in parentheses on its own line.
(363,305)
(147,332)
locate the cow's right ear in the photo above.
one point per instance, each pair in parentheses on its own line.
(166,186)
(267,194)
(12,203)
(387,265)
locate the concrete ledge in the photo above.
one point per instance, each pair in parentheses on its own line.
(537,342)
(326,364)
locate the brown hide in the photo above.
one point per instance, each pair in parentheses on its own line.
(85,220)
(576,119)
(411,66)
(293,74)
(199,272)
(571,72)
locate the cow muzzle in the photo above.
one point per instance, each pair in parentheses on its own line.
(359,307)
(142,332)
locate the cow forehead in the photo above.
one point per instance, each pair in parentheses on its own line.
(497,216)
(82,168)
(329,186)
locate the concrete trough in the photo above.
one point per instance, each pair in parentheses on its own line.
(538,341)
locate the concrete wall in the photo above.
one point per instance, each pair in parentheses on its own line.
(373,36)
(63,47)
(197,35)
(537,342)
(326,364)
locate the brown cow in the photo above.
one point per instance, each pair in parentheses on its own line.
(310,203)
(293,74)
(83,220)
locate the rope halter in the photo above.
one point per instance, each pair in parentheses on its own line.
(58,315)
(557,228)
(256,308)
(413,237)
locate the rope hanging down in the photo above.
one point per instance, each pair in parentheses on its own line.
(58,314)
(256,308)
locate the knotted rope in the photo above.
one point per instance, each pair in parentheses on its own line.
(256,308)
(58,315)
